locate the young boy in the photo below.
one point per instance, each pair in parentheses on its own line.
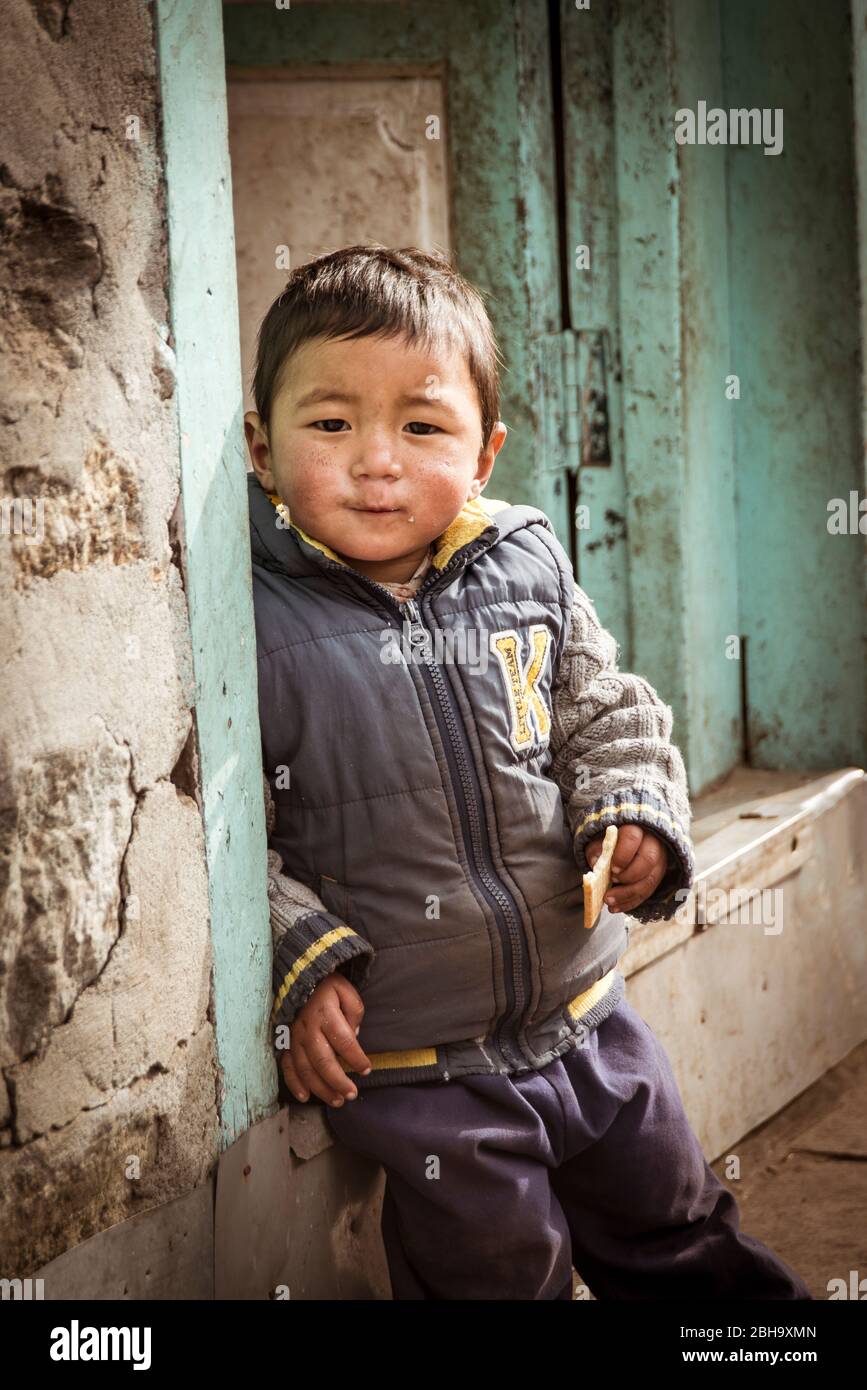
(446,737)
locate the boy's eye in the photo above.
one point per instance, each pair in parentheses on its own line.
(334,426)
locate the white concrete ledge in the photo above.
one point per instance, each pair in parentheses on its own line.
(753,1008)
(747,838)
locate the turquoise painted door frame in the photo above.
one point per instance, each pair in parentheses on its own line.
(204,325)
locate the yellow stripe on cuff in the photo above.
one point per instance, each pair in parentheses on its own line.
(323,944)
(630,806)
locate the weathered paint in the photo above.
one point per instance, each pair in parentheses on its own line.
(795,345)
(648,256)
(715,548)
(204,317)
(657,555)
(713,732)
(590,171)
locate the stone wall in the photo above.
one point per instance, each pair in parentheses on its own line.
(108,1096)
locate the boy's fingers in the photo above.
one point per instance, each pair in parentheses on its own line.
(342,1038)
(622,899)
(290,1076)
(592,850)
(325,1067)
(629,838)
(351,1002)
(327,1025)
(309,1076)
(649,858)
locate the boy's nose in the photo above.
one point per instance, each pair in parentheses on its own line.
(376,458)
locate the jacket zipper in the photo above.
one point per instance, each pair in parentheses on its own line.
(477,843)
(473,823)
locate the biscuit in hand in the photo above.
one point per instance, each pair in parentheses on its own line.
(596,883)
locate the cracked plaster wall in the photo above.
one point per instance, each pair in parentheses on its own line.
(108,1079)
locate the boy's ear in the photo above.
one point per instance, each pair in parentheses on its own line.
(259,449)
(496,440)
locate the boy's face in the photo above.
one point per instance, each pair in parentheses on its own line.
(374,446)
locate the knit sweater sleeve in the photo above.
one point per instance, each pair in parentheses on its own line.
(308,941)
(613,758)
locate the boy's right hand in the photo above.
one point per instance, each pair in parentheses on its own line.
(325,1030)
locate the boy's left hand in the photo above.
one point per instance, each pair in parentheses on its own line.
(639,865)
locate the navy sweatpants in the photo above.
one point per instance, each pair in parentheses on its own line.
(495,1185)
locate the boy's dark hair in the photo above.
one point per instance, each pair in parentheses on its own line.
(364,291)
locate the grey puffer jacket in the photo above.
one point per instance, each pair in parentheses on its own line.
(432,800)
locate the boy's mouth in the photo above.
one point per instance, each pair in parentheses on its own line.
(376,510)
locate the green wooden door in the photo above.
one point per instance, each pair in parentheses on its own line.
(530,117)
(622,280)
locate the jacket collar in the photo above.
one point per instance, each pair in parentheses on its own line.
(277,542)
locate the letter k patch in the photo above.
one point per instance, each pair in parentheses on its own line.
(529,715)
